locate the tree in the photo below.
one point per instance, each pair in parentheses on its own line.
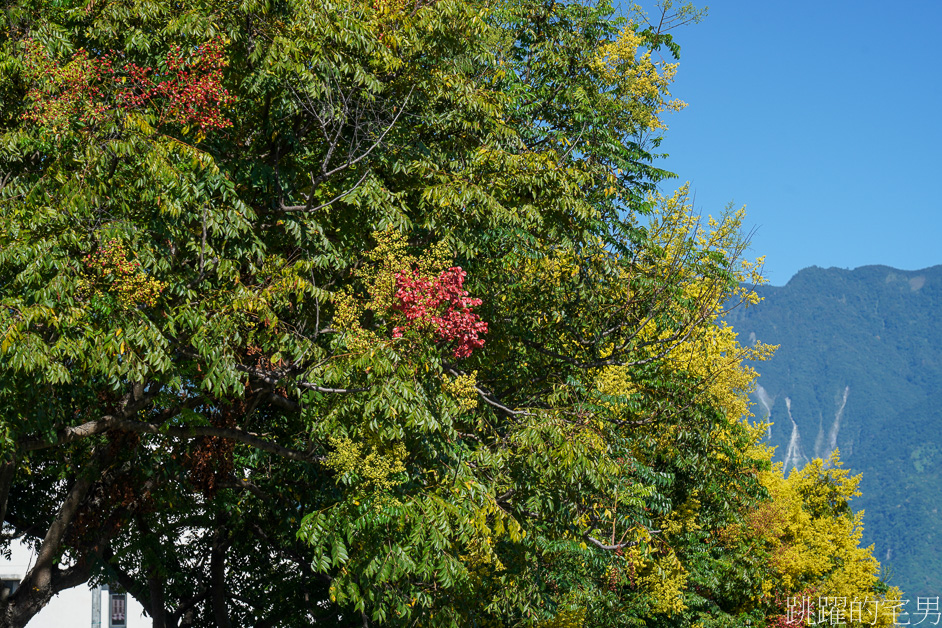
(359,299)
(814,538)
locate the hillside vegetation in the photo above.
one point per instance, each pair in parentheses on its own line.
(860,365)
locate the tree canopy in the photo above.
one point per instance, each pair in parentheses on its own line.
(357,313)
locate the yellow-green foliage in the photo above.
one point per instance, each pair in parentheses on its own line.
(716,358)
(639,81)
(712,354)
(568,618)
(805,529)
(709,351)
(659,574)
(110,270)
(814,538)
(664,578)
(680,233)
(374,469)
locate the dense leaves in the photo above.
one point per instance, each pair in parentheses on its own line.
(356,313)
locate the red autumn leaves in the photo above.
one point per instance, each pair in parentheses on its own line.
(186,90)
(191,88)
(442,306)
(60,94)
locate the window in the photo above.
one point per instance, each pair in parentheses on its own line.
(119,609)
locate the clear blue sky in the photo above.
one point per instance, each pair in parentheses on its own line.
(824,118)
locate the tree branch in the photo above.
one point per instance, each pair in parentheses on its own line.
(617,546)
(70,434)
(307,208)
(110,423)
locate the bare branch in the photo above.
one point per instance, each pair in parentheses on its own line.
(307,208)
(334,117)
(279,377)
(108,423)
(617,546)
(488,398)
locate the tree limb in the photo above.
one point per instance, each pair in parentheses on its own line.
(617,546)
(109,423)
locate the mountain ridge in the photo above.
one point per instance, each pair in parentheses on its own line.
(866,268)
(859,369)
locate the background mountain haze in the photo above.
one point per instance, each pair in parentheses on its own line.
(859,369)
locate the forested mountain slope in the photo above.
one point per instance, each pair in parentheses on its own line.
(859,368)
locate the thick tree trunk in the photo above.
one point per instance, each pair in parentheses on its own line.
(7,472)
(45,579)
(158,611)
(33,595)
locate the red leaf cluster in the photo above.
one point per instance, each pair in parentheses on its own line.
(441,304)
(191,87)
(60,94)
(187,91)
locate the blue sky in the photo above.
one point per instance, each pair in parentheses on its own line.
(823,118)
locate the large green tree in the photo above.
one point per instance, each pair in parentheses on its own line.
(309,311)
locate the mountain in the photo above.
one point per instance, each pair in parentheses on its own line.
(860,369)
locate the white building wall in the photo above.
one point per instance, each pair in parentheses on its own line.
(73,607)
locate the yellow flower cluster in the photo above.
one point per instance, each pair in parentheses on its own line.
(375,469)
(638,80)
(565,619)
(664,579)
(464,389)
(110,271)
(657,572)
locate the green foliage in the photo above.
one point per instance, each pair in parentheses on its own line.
(210,392)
